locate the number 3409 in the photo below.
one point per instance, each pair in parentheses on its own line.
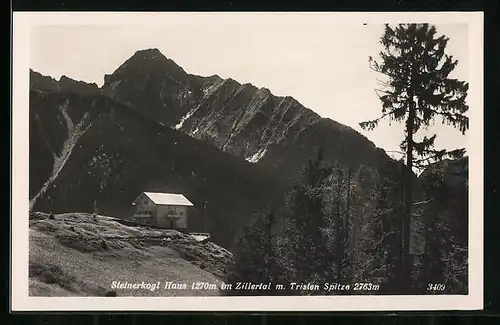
(436,287)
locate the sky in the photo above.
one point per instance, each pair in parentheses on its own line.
(318,61)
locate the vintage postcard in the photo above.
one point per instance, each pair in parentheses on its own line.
(247,161)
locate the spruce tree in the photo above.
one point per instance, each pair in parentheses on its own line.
(339,221)
(418,89)
(383,236)
(344,206)
(254,255)
(306,243)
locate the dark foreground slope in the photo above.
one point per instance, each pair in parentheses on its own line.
(76,254)
(87,150)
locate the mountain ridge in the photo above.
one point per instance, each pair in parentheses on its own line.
(65,84)
(241,119)
(156,60)
(147,106)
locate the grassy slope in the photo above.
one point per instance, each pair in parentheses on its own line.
(68,257)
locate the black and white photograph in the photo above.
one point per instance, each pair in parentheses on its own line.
(258,159)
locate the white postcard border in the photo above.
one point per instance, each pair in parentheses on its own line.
(21,301)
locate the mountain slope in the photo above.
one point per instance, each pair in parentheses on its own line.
(119,153)
(244,120)
(341,146)
(55,125)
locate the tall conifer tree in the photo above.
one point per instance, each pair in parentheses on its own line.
(418,89)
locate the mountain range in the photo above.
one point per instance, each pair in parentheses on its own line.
(154,127)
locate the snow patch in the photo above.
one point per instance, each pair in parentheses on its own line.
(257,156)
(212,88)
(207,90)
(195,131)
(185,118)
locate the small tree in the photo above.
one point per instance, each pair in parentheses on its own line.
(340,238)
(382,237)
(253,255)
(306,247)
(419,89)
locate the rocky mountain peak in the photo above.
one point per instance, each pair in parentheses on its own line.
(145,63)
(151,52)
(153,84)
(156,59)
